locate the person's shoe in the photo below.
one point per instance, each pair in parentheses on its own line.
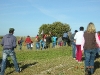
(74,58)
(20,69)
(89,73)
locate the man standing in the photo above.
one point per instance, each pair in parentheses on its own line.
(54,41)
(73,45)
(48,41)
(28,42)
(65,38)
(9,43)
(78,40)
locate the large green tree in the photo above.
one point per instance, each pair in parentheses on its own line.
(56,28)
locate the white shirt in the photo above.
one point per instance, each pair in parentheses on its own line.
(79,37)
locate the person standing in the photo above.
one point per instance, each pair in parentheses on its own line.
(37,39)
(59,41)
(98,49)
(73,44)
(65,38)
(20,42)
(42,44)
(78,40)
(54,41)
(90,41)
(28,42)
(9,43)
(48,41)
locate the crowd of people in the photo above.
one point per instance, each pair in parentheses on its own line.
(44,42)
(85,43)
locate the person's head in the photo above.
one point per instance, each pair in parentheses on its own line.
(81,28)
(11,30)
(76,31)
(91,28)
(98,32)
(28,36)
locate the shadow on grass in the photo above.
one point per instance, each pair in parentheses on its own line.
(28,65)
(22,67)
(96,65)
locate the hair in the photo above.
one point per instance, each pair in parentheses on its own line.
(10,31)
(76,31)
(91,28)
(81,28)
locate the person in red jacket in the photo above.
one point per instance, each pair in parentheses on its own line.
(28,42)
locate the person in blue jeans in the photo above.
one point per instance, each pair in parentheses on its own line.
(73,44)
(54,41)
(89,59)
(42,44)
(89,45)
(28,42)
(37,45)
(20,42)
(37,39)
(9,43)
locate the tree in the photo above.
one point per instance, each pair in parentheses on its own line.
(56,28)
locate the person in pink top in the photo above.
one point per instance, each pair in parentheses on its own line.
(98,49)
(89,45)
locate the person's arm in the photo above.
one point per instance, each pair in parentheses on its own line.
(97,39)
(75,37)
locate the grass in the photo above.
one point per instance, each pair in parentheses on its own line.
(53,61)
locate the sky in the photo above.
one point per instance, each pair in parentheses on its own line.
(27,16)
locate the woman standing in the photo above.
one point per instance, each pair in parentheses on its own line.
(90,41)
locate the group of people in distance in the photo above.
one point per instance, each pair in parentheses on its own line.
(86,43)
(28,42)
(44,41)
(83,42)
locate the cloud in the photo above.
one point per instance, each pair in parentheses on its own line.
(54,13)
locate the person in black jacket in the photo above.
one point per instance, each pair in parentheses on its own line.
(48,41)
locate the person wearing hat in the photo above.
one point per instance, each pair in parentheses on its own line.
(73,44)
(9,43)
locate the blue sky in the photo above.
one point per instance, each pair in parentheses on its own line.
(26,16)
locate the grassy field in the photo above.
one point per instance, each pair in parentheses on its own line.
(53,61)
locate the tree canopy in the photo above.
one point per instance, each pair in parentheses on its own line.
(56,28)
